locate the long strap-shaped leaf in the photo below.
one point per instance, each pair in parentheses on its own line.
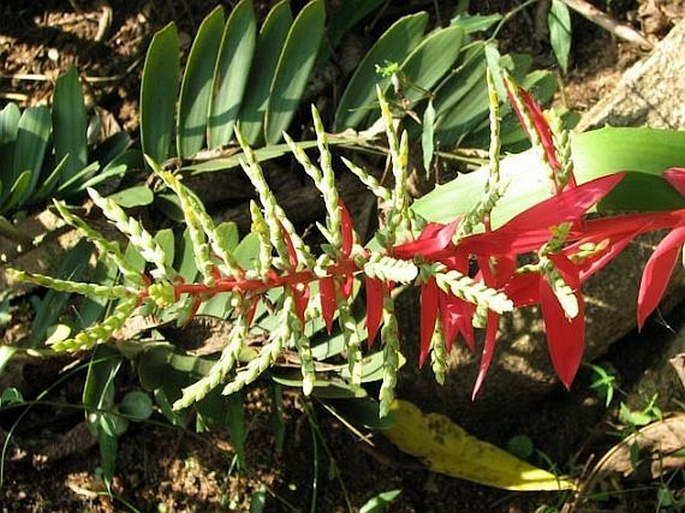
(269,44)
(231,72)
(196,87)
(29,152)
(430,60)
(158,92)
(393,45)
(294,67)
(69,121)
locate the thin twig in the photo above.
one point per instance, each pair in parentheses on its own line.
(608,23)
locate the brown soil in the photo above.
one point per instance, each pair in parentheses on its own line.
(166,469)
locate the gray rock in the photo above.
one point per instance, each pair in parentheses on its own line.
(651,92)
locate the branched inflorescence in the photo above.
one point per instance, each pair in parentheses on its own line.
(439,258)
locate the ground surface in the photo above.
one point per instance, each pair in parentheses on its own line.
(161,468)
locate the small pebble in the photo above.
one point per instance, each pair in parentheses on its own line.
(53,54)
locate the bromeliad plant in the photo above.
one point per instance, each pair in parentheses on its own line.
(470,270)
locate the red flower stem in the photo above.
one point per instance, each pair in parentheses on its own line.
(230,284)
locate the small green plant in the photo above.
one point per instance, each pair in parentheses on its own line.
(605,384)
(45,152)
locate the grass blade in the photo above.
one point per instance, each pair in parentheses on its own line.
(231,73)
(158,91)
(271,39)
(294,67)
(196,87)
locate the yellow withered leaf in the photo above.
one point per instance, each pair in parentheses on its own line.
(448,449)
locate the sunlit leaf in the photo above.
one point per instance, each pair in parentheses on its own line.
(70,122)
(393,46)
(196,88)
(559,20)
(293,69)
(158,93)
(272,36)
(29,149)
(231,73)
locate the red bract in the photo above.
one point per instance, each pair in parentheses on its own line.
(497,251)
(328,300)
(536,116)
(565,337)
(657,273)
(429,315)
(374,307)
(676,177)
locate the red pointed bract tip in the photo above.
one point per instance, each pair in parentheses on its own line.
(374,307)
(434,238)
(657,273)
(676,177)
(429,315)
(565,337)
(292,254)
(537,117)
(488,352)
(328,301)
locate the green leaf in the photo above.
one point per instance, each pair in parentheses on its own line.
(137,405)
(293,69)
(597,153)
(9,123)
(92,309)
(559,20)
(98,391)
(158,92)
(247,251)
(69,122)
(196,88)
(51,307)
(232,72)
(29,149)
(228,234)
(166,240)
(175,418)
(430,60)
(20,189)
(346,15)
(136,196)
(72,183)
(471,23)
(129,159)
(9,128)
(392,46)
(46,188)
(380,502)
(108,454)
(11,396)
(111,148)
(226,412)
(271,39)
(185,258)
(427,136)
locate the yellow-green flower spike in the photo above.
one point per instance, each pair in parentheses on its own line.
(139,236)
